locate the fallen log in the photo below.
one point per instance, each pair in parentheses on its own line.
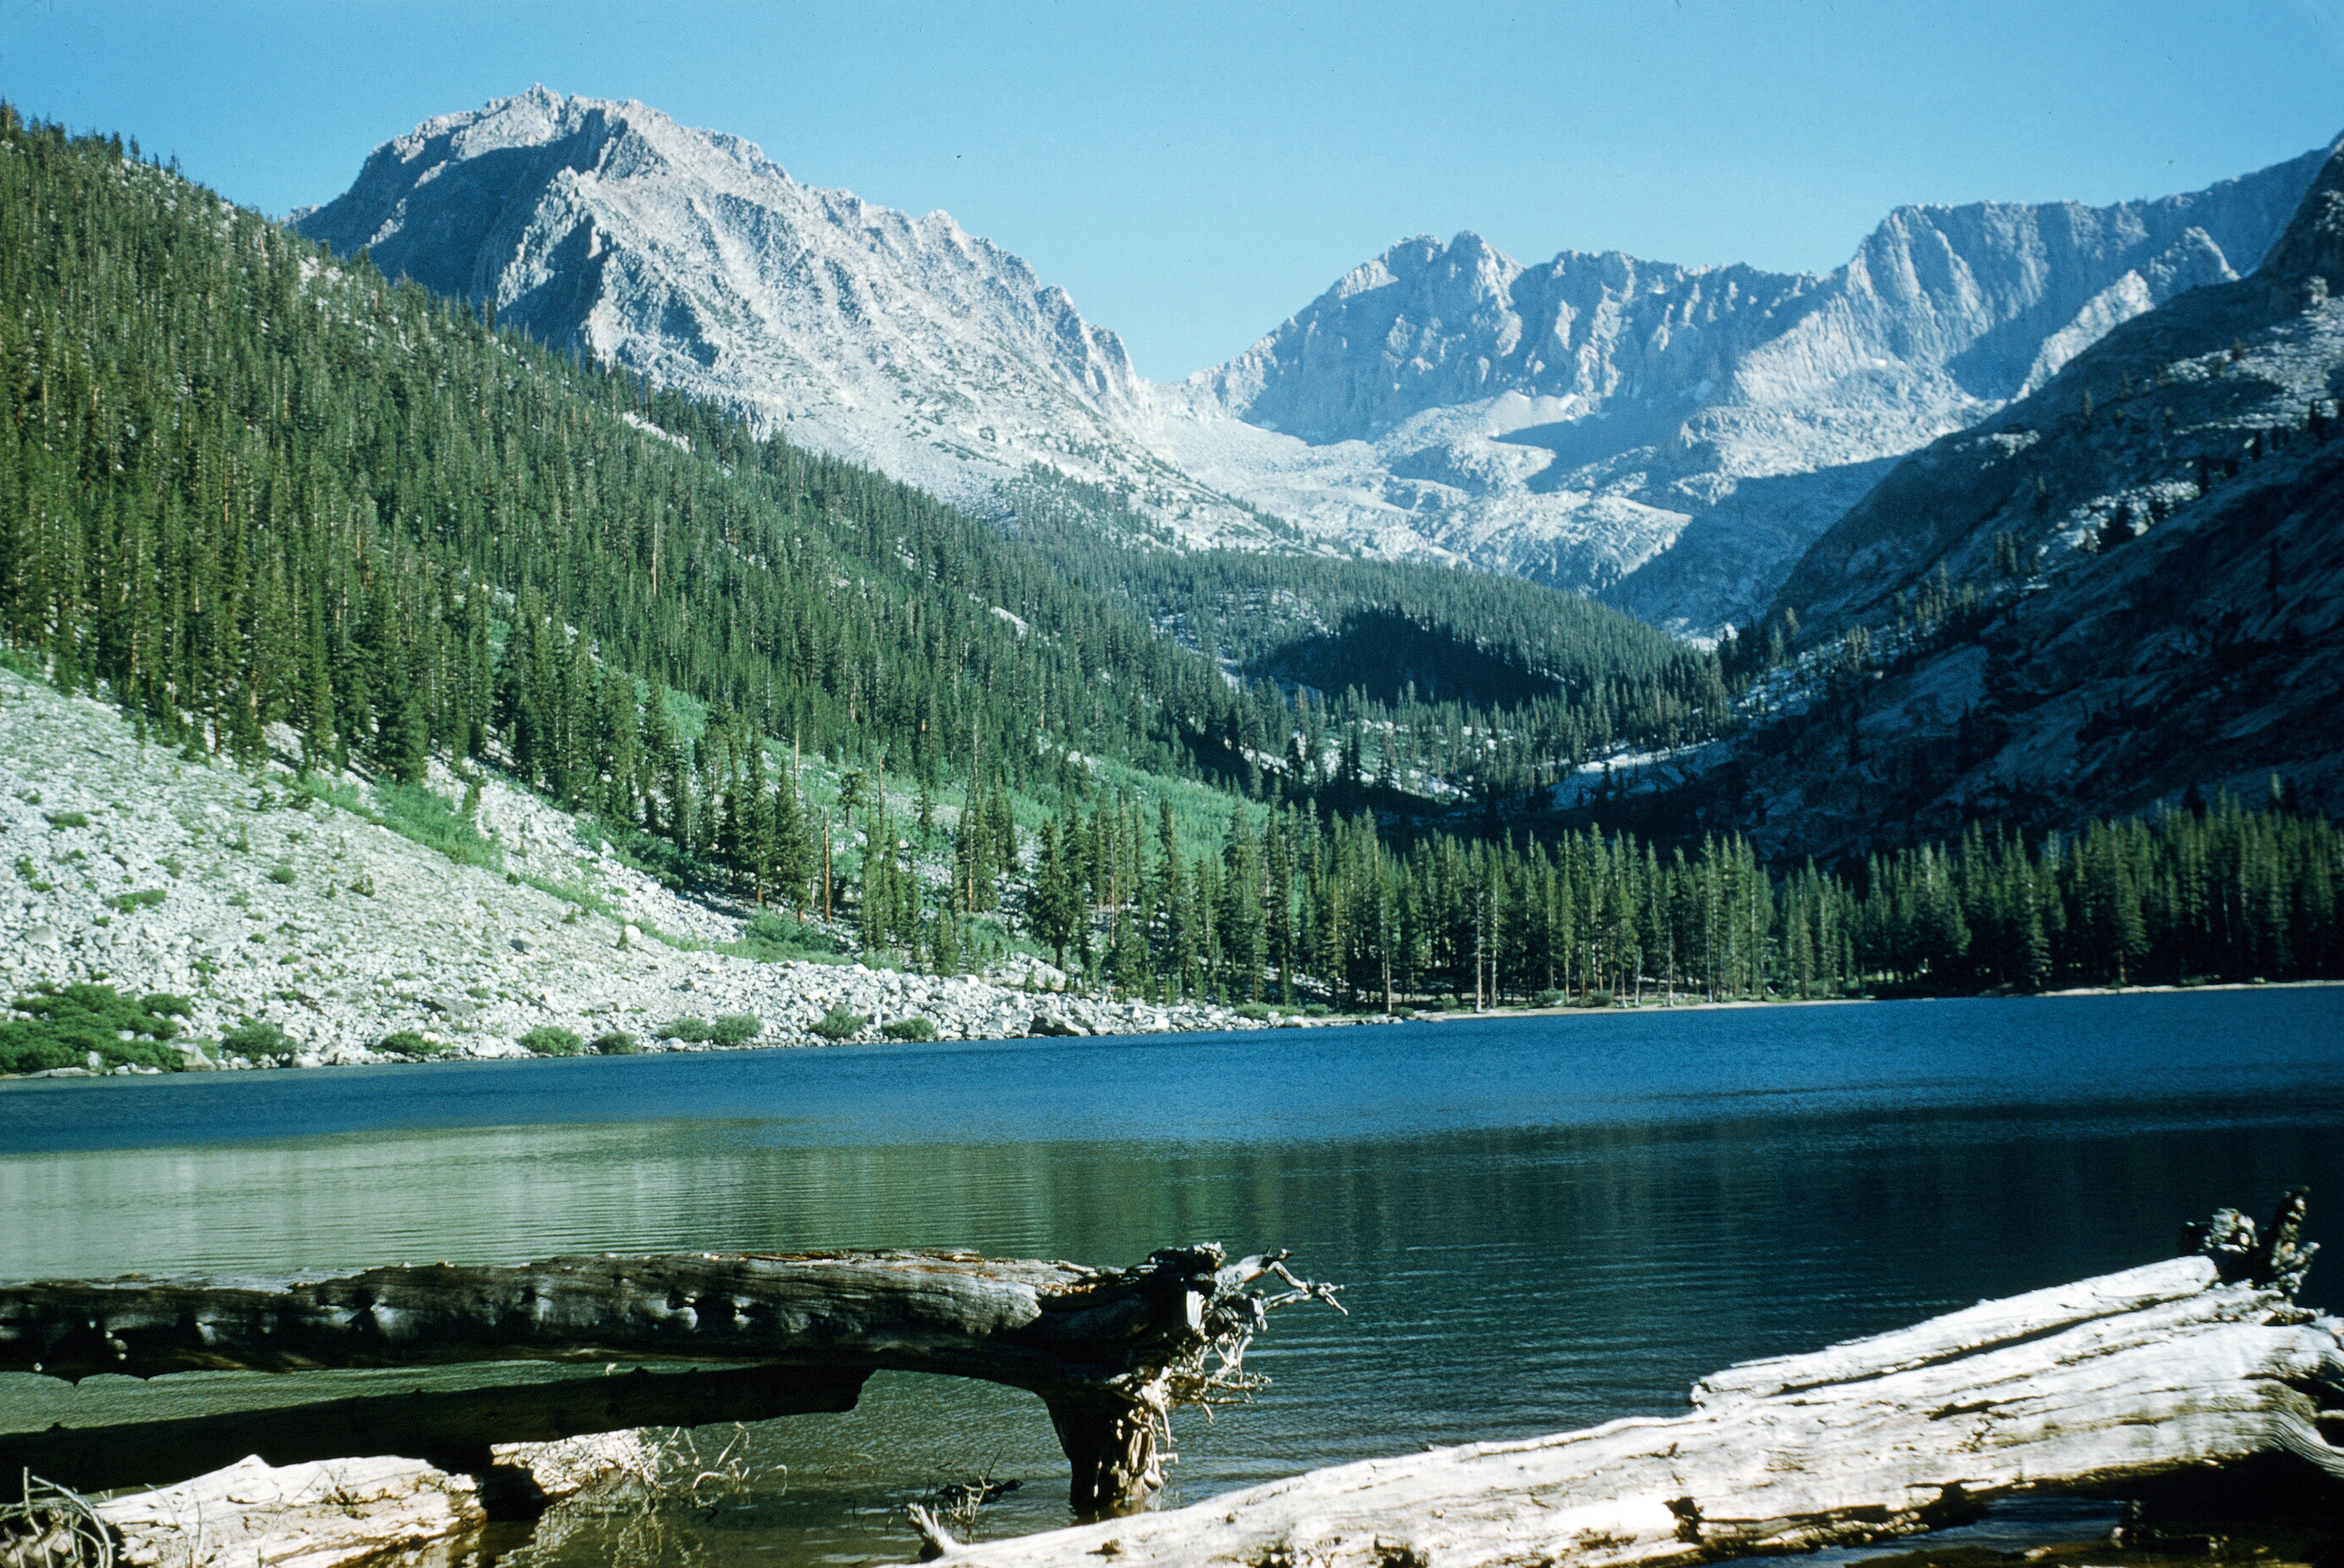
(1110,1352)
(333,1513)
(2104,1386)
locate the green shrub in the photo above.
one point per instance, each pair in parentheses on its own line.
(689,1031)
(64,1024)
(911,1029)
(1596,999)
(771,938)
(1316,1010)
(736,1028)
(1255,1011)
(67,818)
(127,902)
(408,1043)
(1551,999)
(838,1024)
(281,873)
(258,1041)
(545,1040)
(617,1043)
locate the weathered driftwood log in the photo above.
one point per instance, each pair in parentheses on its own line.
(2105,1385)
(1108,1351)
(333,1513)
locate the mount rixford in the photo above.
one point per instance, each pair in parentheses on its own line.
(1670,437)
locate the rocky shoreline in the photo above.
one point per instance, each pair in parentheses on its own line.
(271,909)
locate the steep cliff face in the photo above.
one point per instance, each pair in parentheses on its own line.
(2151,547)
(2160,412)
(1673,436)
(688,256)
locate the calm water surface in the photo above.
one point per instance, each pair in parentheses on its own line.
(1542,1223)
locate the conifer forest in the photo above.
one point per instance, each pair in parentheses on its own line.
(259,496)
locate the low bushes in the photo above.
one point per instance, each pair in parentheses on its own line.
(838,1024)
(772,938)
(1257,1012)
(913,1028)
(545,1040)
(617,1043)
(408,1043)
(147,898)
(258,1041)
(64,1024)
(731,1030)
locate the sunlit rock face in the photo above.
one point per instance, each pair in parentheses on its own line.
(1672,437)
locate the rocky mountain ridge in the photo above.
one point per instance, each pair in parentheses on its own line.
(2123,590)
(1670,437)
(903,343)
(1673,436)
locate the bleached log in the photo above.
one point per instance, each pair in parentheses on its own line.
(1110,1350)
(335,1513)
(2109,1384)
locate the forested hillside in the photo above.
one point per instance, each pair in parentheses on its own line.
(243,485)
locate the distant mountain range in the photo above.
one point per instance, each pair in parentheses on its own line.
(1671,438)
(2123,588)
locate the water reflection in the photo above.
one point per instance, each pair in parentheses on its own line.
(1535,1233)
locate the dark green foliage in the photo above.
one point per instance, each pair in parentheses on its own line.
(282,875)
(690,1031)
(736,1028)
(838,1024)
(59,1027)
(67,818)
(1255,1011)
(408,1043)
(425,816)
(775,938)
(546,1040)
(617,1043)
(259,1041)
(146,898)
(913,1028)
(1549,998)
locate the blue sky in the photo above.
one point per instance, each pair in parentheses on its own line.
(1194,173)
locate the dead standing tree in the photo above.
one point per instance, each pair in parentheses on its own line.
(1111,1351)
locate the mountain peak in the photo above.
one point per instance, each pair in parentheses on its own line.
(2313,243)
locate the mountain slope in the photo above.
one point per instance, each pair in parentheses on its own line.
(1670,436)
(686,255)
(2129,585)
(1673,436)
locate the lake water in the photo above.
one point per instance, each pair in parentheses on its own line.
(1540,1223)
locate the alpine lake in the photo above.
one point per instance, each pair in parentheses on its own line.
(1540,1222)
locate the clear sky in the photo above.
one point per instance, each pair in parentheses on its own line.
(1193,173)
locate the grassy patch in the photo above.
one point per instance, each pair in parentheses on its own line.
(146,898)
(67,818)
(417,815)
(771,938)
(61,1025)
